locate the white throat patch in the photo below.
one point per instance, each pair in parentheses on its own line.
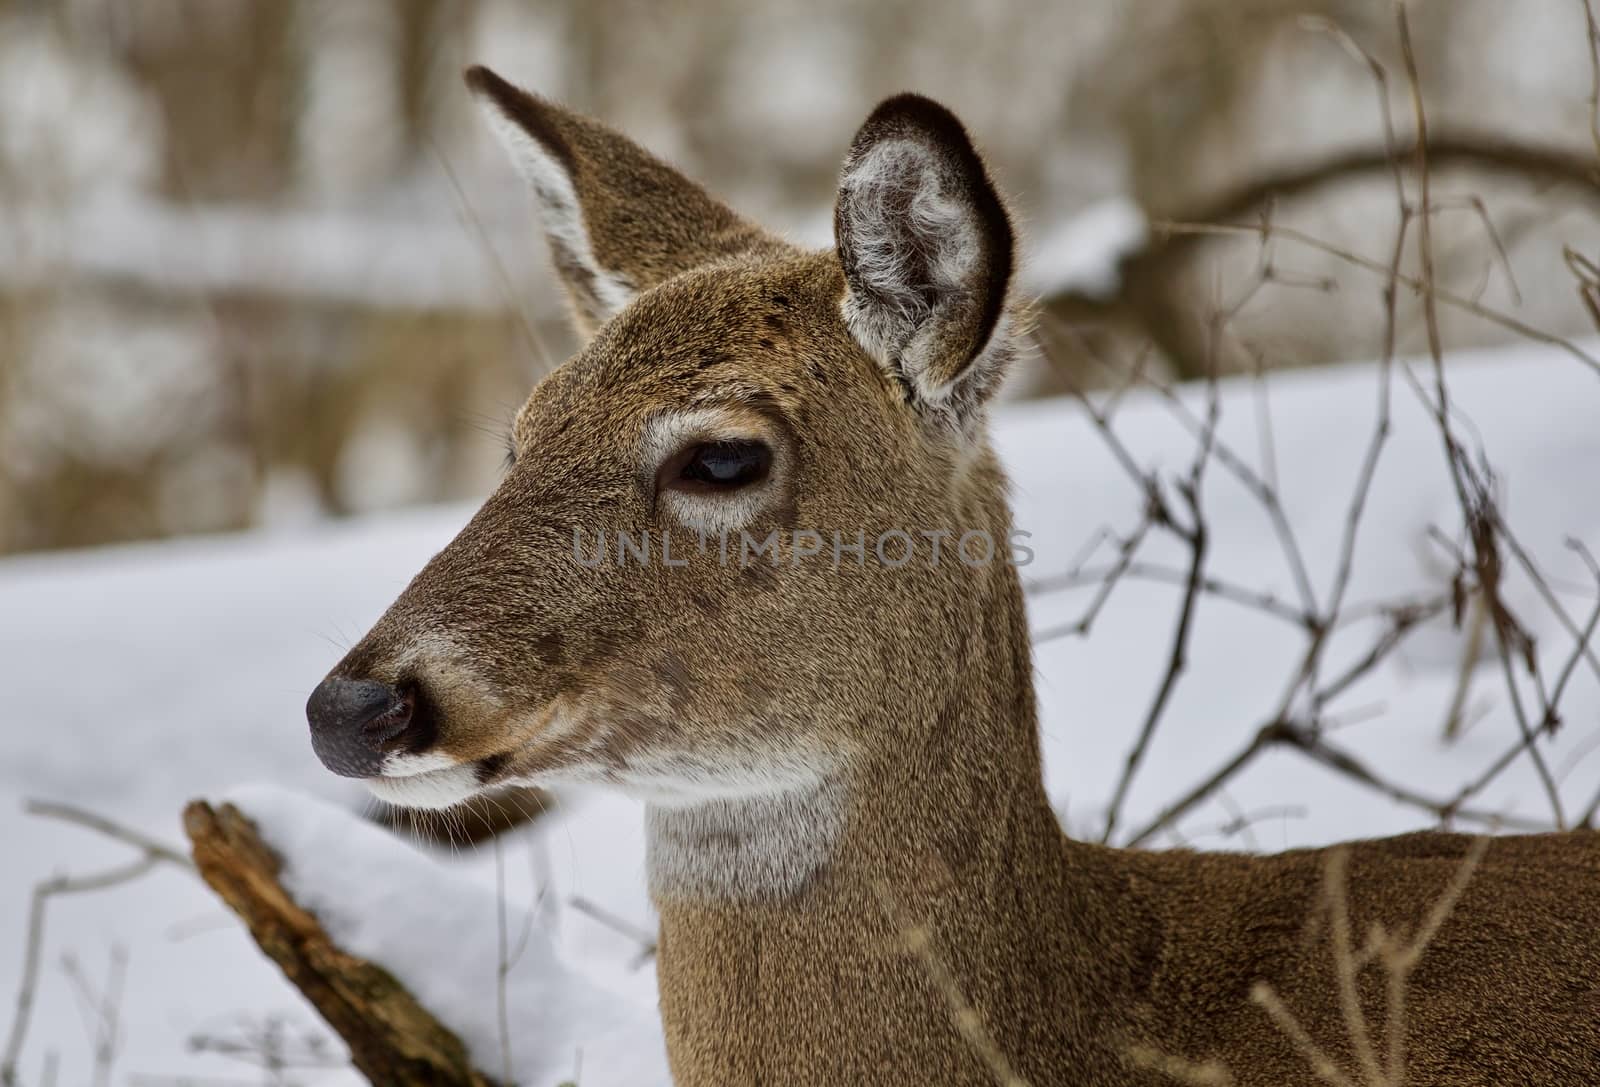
(765,846)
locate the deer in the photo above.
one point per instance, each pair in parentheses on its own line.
(838,754)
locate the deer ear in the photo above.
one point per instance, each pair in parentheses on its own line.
(927,247)
(618,219)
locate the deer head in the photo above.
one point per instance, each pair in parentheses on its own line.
(753,530)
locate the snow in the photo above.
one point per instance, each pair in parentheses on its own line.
(136,678)
(441,937)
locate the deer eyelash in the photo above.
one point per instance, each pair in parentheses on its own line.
(510,459)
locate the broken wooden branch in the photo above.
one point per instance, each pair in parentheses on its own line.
(393,1039)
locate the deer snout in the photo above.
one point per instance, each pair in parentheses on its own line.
(358,723)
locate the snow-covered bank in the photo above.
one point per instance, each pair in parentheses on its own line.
(137,678)
(440,935)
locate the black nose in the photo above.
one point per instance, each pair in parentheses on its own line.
(356,722)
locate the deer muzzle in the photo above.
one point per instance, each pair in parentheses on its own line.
(356,724)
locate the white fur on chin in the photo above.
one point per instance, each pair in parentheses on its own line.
(434,789)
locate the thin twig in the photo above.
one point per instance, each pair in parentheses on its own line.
(1334,758)
(1477,622)
(1177,659)
(107,1036)
(1592,33)
(1285,734)
(644,938)
(1590,813)
(1473,493)
(1474,203)
(71,813)
(1258,487)
(1335,874)
(1286,1022)
(525,323)
(34,948)
(1449,298)
(1126,549)
(154,853)
(1583,641)
(1401,623)
(1585,647)
(1210,585)
(502,961)
(968,1020)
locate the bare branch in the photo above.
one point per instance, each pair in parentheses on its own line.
(1210,585)
(1307,741)
(1286,1022)
(968,1020)
(392,1038)
(1592,32)
(1335,873)
(70,813)
(154,853)
(1126,548)
(34,948)
(525,323)
(1449,298)
(502,962)
(1263,492)
(1178,657)
(644,938)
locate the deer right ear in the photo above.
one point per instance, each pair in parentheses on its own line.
(618,219)
(927,247)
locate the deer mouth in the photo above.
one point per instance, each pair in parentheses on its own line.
(436,780)
(428,781)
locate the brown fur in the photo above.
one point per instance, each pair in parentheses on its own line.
(913,688)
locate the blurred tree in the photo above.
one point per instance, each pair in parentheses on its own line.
(273,163)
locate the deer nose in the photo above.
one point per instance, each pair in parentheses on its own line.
(355,723)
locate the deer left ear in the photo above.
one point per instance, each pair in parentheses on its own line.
(927,249)
(618,219)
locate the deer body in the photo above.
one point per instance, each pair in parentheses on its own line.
(859,875)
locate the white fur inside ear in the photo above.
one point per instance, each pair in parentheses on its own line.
(915,248)
(563,217)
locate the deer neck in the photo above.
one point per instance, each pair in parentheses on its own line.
(796,926)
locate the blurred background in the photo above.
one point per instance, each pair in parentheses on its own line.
(261,265)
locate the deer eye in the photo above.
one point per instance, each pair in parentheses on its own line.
(725,465)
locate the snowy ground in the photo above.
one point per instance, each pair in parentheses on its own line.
(137,678)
